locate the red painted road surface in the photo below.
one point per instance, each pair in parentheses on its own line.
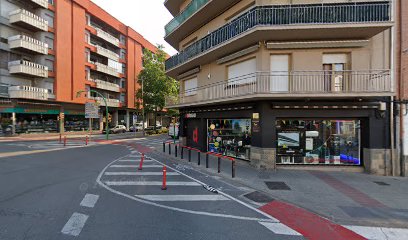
(310,225)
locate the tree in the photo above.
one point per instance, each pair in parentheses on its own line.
(157,86)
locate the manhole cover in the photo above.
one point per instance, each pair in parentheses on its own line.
(382,183)
(277,186)
(258,197)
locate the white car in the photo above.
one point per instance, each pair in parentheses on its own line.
(118,129)
(137,127)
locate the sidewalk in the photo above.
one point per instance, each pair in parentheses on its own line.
(342,197)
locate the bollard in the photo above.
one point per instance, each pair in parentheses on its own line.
(219,164)
(189,155)
(141,162)
(199,158)
(169,148)
(65,141)
(164,187)
(233,168)
(86,141)
(164,147)
(175,150)
(206,161)
(60,138)
(182,152)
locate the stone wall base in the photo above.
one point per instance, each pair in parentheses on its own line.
(378,161)
(263,158)
(405,166)
(183,141)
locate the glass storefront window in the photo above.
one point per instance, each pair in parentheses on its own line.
(318,142)
(77,123)
(36,123)
(230,137)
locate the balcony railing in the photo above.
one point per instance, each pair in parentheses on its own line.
(107,37)
(21,16)
(26,92)
(28,43)
(109,101)
(292,84)
(42,3)
(106,85)
(284,15)
(106,69)
(192,8)
(28,68)
(107,53)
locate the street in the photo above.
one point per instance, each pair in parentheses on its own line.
(98,192)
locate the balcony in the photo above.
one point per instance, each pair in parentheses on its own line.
(28,69)
(4,90)
(109,101)
(28,44)
(106,85)
(106,69)
(41,3)
(107,53)
(26,92)
(107,37)
(290,85)
(285,23)
(195,15)
(26,19)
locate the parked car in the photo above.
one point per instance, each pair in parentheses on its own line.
(136,128)
(174,131)
(116,129)
(158,127)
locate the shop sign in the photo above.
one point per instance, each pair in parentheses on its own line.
(256,127)
(191,115)
(29,110)
(91,110)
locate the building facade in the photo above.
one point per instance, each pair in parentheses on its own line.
(286,83)
(52,49)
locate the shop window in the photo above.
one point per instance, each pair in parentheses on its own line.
(230,137)
(190,87)
(335,142)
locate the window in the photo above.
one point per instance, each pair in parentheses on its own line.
(122,39)
(122,83)
(190,87)
(50,19)
(51,2)
(49,64)
(242,73)
(279,80)
(334,66)
(87,73)
(88,19)
(87,55)
(122,53)
(122,97)
(87,36)
(49,41)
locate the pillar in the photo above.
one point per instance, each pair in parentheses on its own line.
(101,121)
(127,120)
(13,123)
(115,118)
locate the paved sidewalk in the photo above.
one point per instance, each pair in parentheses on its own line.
(342,197)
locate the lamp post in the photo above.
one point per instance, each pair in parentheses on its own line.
(106,105)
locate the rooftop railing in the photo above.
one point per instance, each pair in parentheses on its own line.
(278,15)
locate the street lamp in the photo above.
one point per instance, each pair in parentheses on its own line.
(106,105)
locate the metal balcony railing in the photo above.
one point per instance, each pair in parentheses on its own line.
(28,68)
(106,69)
(22,41)
(107,53)
(27,92)
(26,17)
(107,37)
(278,15)
(42,3)
(294,83)
(192,8)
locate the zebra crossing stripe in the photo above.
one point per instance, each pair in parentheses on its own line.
(136,166)
(135,160)
(279,228)
(182,198)
(379,233)
(140,174)
(149,183)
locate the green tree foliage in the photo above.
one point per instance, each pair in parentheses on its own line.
(157,86)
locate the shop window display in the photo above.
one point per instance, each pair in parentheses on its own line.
(230,137)
(38,123)
(334,142)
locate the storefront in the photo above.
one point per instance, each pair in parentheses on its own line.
(324,141)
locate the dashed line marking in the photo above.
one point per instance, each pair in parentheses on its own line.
(186,198)
(89,200)
(140,174)
(75,224)
(149,183)
(279,228)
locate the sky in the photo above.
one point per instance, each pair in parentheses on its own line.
(147,17)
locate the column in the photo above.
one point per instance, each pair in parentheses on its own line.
(127,120)
(13,124)
(115,118)
(101,121)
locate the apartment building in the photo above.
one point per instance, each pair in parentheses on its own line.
(52,49)
(288,83)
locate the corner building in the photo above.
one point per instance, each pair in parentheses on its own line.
(286,83)
(52,49)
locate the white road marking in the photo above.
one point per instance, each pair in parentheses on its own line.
(279,228)
(89,200)
(136,160)
(379,233)
(134,156)
(75,224)
(187,198)
(136,166)
(149,183)
(140,174)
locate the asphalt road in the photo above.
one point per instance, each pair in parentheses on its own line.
(97,192)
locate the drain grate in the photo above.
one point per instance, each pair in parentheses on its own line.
(258,197)
(277,186)
(382,183)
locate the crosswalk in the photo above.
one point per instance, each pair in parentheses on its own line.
(153,142)
(50,145)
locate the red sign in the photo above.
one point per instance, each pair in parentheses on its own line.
(195,135)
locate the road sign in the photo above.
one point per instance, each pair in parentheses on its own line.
(91,110)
